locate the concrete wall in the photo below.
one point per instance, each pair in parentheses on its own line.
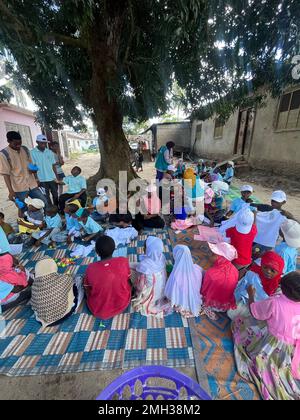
(14,117)
(271,149)
(215,148)
(180,134)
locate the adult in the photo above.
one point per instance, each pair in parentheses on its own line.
(54,146)
(16,169)
(45,160)
(164,159)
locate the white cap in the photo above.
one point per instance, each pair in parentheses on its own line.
(230,162)
(41,138)
(171,168)
(245,188)
(291,232)
(35,202)
(279,196)
(245,219)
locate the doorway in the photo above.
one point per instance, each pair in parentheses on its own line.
(244,132)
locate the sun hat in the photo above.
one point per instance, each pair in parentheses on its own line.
(224,250)
(45,267)
(278,196)
(35,202)
(245,219)
(291,232)
(245,188)
(41,138)
(208,195)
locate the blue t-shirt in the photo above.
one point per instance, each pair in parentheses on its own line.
(44,161)
(238,203)
(250,279)
(91,226)
(72,222)
(289,255)
(75,183)
(229,174)
(5,290)
(53,222)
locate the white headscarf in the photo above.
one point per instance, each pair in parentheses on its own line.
(184,284)
(154,261)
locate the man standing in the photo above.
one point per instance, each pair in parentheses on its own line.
(45,160)
(17,170)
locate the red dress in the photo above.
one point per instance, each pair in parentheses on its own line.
(243,243)
(219,284)
(108,288)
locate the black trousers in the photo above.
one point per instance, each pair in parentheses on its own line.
(139,222)
(51,186)
(65,197)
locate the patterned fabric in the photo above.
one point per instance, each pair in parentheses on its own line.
(264,360)
(84,343)
(50,297)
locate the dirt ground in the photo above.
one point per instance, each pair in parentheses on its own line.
(88,385)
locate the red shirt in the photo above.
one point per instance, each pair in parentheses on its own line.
(108,288)
(243,244)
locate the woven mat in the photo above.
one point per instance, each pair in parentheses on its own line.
(84,343)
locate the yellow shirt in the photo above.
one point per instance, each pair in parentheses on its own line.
(17,169)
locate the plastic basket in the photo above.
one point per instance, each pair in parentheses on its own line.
(153,383)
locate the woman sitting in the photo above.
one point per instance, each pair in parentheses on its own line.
(267,345)
(184,283)
(220,280)
(53,295)
(151,277)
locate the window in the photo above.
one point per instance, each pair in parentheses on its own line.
(198,132)
(86,142)
(289,111)
(24,131)
(219,125)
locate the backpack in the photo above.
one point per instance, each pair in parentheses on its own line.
(6,154)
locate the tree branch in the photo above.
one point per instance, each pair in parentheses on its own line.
(64,39)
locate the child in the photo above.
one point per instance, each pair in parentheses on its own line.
(34,216)
(72,225)
(278,200)
(266,344)
(100,204)
(13,273)
(76,188)
(242,236)
(229,174)
(238,203)
(7,228)
(220,280)
(269,272)
(184,283)
(200,168)
(123,232)
(90,228)
(52,294)
(51,232)
(180,168)
(151,280)
(288,249)
(107,281)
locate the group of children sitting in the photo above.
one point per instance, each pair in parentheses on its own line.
(252,276)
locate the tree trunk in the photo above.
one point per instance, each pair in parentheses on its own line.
(114,148)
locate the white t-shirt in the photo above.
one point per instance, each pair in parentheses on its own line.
(268,226)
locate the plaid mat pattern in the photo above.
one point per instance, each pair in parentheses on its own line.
(84,343)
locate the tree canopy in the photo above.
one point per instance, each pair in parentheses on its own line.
(109,59)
